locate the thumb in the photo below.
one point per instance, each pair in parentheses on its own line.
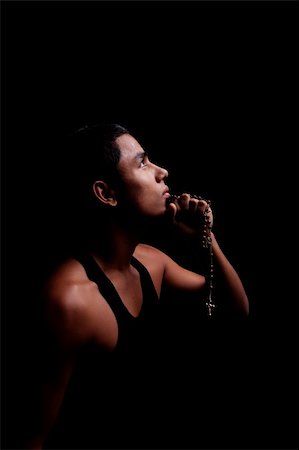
(171,210)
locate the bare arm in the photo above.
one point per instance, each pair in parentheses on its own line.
(232,279)
(187,215)
(49,399)
(64,332)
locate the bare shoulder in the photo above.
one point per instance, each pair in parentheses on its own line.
(70,302)
(152,255)
(150,252)
(168,270)
(155,261)
(68,286)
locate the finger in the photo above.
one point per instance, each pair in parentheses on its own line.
(183,200)
(193,203)
(202,205)
(172,210)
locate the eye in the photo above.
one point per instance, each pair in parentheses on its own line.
(144,161)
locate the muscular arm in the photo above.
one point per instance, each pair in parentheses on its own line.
(231,278)
(190,224)
(65,330)
(176,277)
(49,400)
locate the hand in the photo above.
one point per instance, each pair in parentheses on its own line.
(191,215)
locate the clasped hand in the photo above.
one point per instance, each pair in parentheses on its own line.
(191,215)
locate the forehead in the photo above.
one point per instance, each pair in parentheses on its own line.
(129,147)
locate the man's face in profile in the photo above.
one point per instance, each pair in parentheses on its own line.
(143,181)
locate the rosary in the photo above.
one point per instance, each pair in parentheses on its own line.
(207,244)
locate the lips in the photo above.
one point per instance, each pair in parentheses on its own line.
(166,193)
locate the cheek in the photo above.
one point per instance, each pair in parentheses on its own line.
(140,194)
(135,187)
(134,193)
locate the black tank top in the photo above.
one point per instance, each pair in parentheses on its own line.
(131,330)
(111,393)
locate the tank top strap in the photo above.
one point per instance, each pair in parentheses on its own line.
(148,288)
(106,287)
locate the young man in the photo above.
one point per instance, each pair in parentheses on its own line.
(100,374)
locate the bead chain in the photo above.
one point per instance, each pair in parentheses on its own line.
(207,243)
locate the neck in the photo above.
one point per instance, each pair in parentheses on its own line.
(114,245)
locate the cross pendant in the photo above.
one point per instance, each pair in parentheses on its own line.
(210,306)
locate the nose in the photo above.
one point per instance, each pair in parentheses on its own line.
(161,173)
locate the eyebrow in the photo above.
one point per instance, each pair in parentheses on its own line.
(141,155)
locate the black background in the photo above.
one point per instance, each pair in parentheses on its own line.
(209,88)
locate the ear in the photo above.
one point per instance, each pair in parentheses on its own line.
(104,193)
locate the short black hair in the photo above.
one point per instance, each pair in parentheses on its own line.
(76,160)
(94,153)
(88,154)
